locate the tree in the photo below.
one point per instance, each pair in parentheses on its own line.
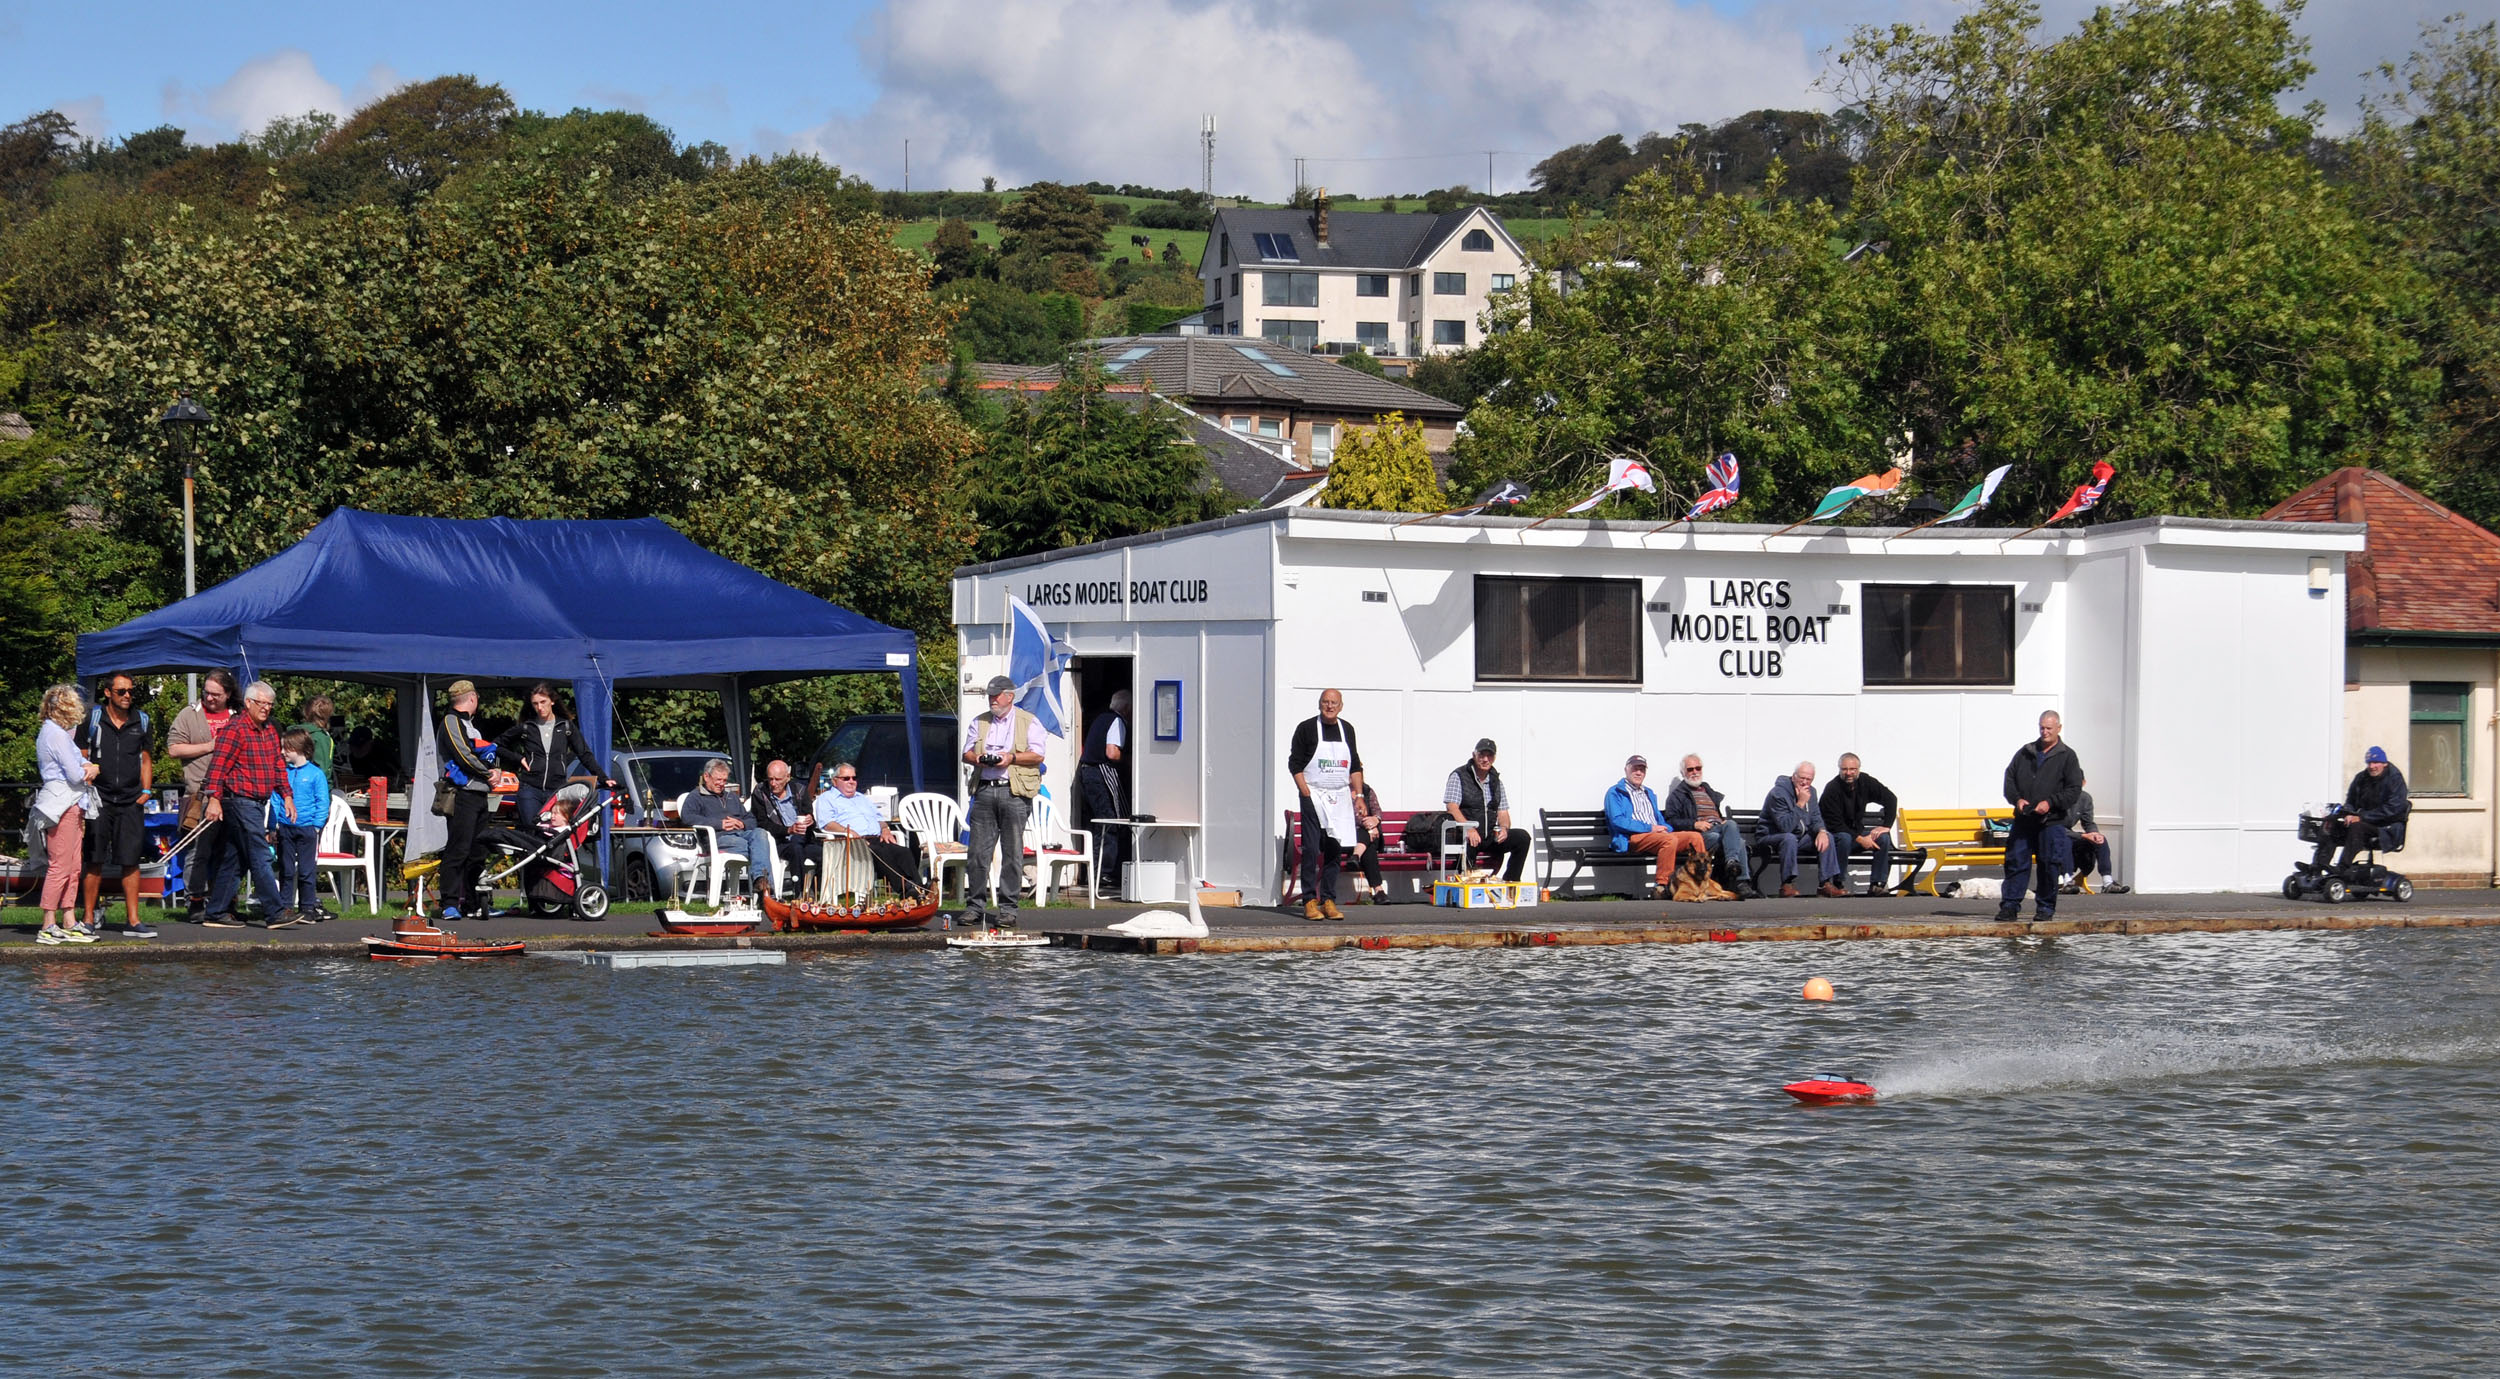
(742,359)
(2429,164)
(1361,361)
(1693,324)
(959,254)
(1052,218)
(408,143)
(33,152)
(293,136)
(1384,468)
(2111,246)
(1078,464)
(1000,324)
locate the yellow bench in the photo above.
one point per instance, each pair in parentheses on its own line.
(1955,838)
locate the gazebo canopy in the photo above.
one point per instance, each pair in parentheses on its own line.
(417,601)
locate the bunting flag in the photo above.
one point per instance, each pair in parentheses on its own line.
(2086,496)
(1509,493)
(1840,498)
(1621,474)
(1034,662)
(1723,478)
(1977,498)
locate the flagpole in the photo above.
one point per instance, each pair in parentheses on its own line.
(1923,525)
(1789,528)
(1430,515)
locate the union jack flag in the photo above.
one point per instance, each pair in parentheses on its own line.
(1723,476)
(2087,495)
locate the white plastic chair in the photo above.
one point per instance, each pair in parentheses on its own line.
(1047,860)
(331,855)
(937,820)
(720,861)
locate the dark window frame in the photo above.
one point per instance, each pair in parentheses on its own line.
(1449,332)
(1876,657)
(1448,284)
(1364,282)
(1476,241)
(2418,717)
(1517,596)
(1289,289)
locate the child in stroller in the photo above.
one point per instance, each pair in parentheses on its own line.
(546,852)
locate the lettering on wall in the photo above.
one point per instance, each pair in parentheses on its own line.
(1140,593)
(1747,619)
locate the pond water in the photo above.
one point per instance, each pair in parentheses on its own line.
(2270,1153)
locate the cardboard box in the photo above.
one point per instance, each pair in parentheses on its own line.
(1223,899)
(1485,895)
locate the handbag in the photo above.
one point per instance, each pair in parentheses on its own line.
(194,807)
(442,797)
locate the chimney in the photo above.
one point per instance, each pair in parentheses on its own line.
(2360,572)
(1319,215)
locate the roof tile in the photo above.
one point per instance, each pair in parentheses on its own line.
(2427,569)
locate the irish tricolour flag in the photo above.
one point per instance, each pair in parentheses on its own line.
(1978,497)
(1841,497)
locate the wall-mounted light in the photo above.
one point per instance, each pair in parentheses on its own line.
(2321,576)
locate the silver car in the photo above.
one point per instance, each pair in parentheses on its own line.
(648,864)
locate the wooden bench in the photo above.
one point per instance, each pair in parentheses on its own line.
(1965,838)
(1581,838)
(1393,853)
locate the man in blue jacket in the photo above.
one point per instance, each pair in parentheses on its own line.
(1633,817)
(2044,783)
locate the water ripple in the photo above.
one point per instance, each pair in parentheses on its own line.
(2269,1153)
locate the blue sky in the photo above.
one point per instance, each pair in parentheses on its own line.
(1389,95)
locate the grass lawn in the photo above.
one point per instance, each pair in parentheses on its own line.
(917,234)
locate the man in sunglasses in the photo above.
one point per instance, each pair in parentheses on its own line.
(843,812)
(116,738)
(1693,807)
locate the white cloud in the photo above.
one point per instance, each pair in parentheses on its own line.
(1373,96)
(267,87)
(88,114)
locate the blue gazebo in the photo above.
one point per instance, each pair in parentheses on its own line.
(413,602)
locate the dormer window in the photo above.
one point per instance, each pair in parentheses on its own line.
(1477,242)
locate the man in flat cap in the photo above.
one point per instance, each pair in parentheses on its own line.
(1005,746)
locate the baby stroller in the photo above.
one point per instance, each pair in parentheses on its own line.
(2363,878)
(547,854)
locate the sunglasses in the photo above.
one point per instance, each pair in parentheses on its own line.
(119,689)
(844,778)
(1692,770)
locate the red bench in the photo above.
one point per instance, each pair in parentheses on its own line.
(1393,853)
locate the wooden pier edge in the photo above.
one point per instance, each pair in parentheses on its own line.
(1764,933)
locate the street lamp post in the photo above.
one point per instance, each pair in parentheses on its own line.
(182,418)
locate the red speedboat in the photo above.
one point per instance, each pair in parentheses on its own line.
(1829,1092)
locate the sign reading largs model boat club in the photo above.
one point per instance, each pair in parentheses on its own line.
(1750,620)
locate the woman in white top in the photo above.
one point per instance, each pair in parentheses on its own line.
(61,805)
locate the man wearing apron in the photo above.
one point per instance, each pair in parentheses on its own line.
(1327,769)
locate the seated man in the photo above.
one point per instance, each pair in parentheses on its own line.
(2095,854)
(2376,805)
(843,812)
(1693,807)
(775,805)
(1792,820)
(1844,817)
(711,804)
(1476,797)
(1632,817)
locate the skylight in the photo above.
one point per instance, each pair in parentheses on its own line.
(1128,357)
(1277,248)
(1259,357)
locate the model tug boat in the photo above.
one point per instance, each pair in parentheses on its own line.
(802,915)
(414,936)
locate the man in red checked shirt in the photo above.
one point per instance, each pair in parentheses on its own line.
(244,774)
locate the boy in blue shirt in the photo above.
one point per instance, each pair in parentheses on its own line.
(298,824)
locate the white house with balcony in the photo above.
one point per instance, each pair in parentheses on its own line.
(1395,284)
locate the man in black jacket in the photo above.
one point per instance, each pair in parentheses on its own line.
(775,805)
(2043,782)
(2375,807)
(1844,815)
(541,749)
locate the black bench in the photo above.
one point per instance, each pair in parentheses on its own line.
(1581,838)
(1765,857)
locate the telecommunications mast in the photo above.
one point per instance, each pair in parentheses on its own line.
(1206,155)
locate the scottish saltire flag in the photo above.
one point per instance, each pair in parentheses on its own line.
(1034,661)
(1978,497)
(1621,474)
(2087,496)
(1509,493)
(1840,498)
(1723,477)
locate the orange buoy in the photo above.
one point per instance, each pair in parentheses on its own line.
(1818,989)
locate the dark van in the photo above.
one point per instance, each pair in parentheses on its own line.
(874,742)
